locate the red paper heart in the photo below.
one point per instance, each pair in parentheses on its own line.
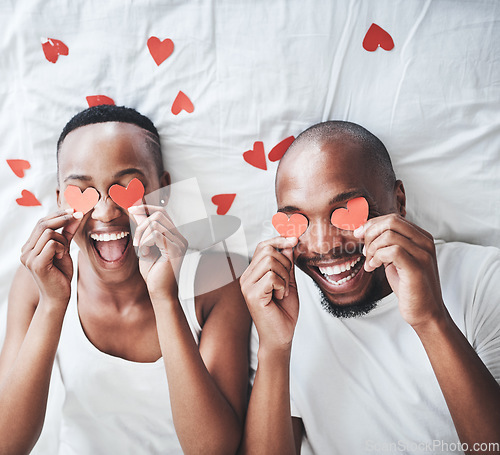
(354,216)
(294,226)
(182,102)
(19,166)
(160,50)
(97,100)
(81,202)
(256,157)
(223,202)
(127,197)
(27,199)
(53,48)
(279,149)
(376,36)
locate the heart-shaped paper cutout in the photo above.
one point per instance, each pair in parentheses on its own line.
(81,202)
(53,48)
(97,100)
(182,102)
(127,197)
(19,166)
(223,202)
(160,50)
(376,36)
(279,149)
(27,199)
(294,226)
(256,157)
(352,217)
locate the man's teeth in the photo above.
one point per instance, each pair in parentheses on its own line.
(337,269)
(108,237)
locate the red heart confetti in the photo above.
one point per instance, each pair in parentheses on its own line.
(376,36)
(127,197)
(28,199)
(352,217)
(256,157)
(279,149)
(19,166)
(97,100)
(81,202)
(53,48)
(294,226)
(160,50)
(182,102)
(223,202)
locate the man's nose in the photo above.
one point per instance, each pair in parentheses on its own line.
(321,238)
(106,210)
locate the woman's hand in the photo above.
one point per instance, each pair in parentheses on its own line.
(46,255)
(161,249)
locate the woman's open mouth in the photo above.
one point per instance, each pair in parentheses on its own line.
(110,246)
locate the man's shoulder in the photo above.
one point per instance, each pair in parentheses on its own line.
(469,258)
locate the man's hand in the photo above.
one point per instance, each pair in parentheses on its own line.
(161,249)
(46,255)
(270,291)
(408,254)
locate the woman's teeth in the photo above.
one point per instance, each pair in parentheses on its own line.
(328,272)
(108,237)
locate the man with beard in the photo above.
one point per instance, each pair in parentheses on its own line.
(406,357)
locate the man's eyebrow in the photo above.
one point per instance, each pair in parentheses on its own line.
(84,178)
(128,171)
(348,195)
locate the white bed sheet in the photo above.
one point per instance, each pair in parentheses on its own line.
(262,71)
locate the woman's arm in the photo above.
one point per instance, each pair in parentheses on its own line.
(37,303)
(208,383)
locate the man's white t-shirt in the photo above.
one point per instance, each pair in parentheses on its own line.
(365,385)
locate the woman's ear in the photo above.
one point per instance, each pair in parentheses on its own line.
(400,196)
(165,187)
(58,195)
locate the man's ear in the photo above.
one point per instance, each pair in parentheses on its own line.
(400,196)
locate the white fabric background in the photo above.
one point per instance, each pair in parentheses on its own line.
(262,71)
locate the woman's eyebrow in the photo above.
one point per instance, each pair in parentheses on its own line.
(130,170)
(84,178)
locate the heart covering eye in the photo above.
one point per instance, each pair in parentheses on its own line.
(352,217)
(127,197)
(81,202)
(294,226)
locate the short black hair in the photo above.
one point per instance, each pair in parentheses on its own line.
(111,113)
(331,130)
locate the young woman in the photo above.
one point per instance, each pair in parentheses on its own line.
(146,367)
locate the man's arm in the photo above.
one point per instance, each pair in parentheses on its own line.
(269,288)
(408,254)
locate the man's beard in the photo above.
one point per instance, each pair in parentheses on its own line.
(356,309)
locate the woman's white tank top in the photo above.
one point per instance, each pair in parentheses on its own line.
(115,406)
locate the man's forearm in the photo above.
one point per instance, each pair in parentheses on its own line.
(470,391)
(24,388)
(268,427)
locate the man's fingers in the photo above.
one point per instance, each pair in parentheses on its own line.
(270,264)
(376,227)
